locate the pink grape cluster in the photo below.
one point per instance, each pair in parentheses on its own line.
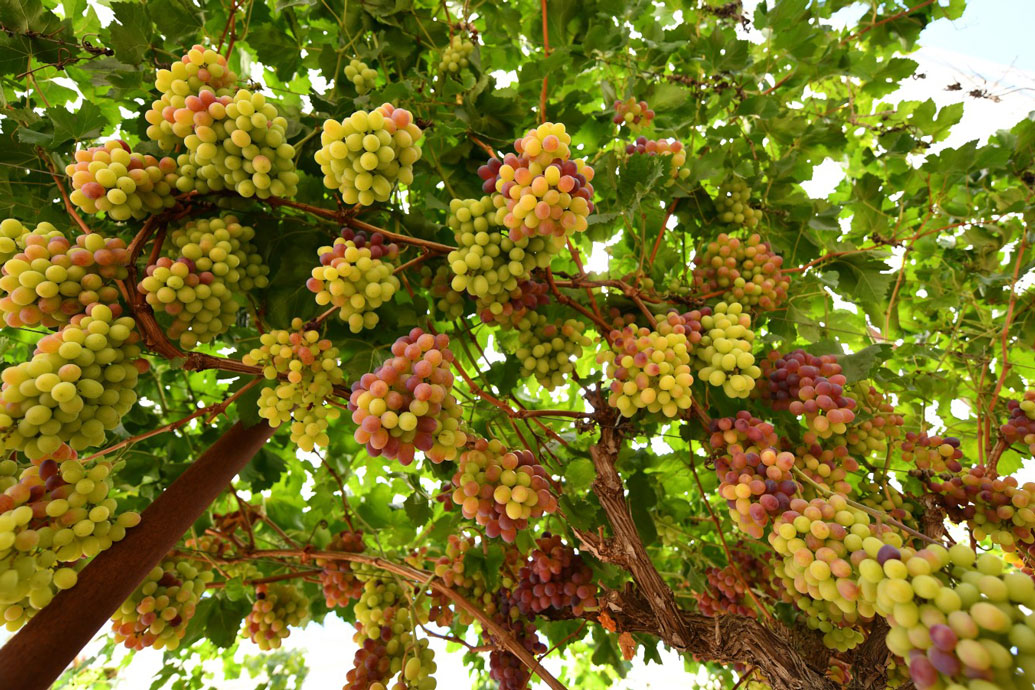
(338,580)
(828,467)
(635,114)
(184,87)
(555,578)
(875,426)
(527,296)
(504,667)
(662,147)
(996,507)
(356,275)
(276,610)
(744,271)
(114,180)
(157,613)
(809,386)
(932,452)
(1020,427)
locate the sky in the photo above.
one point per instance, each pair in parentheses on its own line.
(989,49)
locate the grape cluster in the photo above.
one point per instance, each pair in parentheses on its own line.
(13,235)
(360,75)
(1021,424)
(828,467)
(811,386)
(509,309)
(651,369)
(114,180)
(55,511)
(407,404)
(754,477)
(448,303)
(500,489)
(663,147)
(457,574)
(555,578)
(541,190)
(504,667)
(744,271)
(176,113)
(874,427)
(310,366)
(339,582)
(51,280)
(998,508)
(635,114)
(886,498)
(242,146)
(157,613)
(724,352)
(356,275)
(457,55)
(732,203)
(547,350)
(364,155)
(277,608)
(77,385)
(726,595)
(932,452)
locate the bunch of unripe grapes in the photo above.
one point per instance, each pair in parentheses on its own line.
(508,310)
(995,507)
(360,75)
(875,426)
(541,190)
(112,179)
(76,387)
(733,204)
(501,490)
(364,155)
(828,467)
(407,404)
(356,275)
(277,609)
(671,148)
(175,114)
(744,271)
(547,350)
(157,613)
(555,578)
(310,365)
(457,55)
(1020,427)
(339,581)
(51,279)
(724,352)
(933,453)
(810,386)
(447,303)
(635,114)
(54,512)
(651,369)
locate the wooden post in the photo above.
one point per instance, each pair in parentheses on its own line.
(35,657)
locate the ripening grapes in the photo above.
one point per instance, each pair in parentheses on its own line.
(555,578)
(339,582)
(51,279)
(76,387)
(504,667)
(744,271)
(670,148)
(360,75)
(470,582)
(733,204)
(548,350)
(875,426)
(509,309)
(175,114)
(356,275)
(447,304)
(277,609)
(999,508)
(932,452)
(809,386)
(1020,427)
(111,179)
(157,613)
(828,467)
(13,235)
(367,153)
(725,350)
(633,114)
(457,55)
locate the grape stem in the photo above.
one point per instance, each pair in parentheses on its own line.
(546,54)
(602,326)
(1004,365)
(265,580)
(892,18)
(64,194)
(661,232)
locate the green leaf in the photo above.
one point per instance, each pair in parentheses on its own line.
(376,508)
(579,476)
(862,364)
(82,125)
(131,35)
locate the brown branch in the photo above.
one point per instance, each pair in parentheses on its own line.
(1004,365)
(892,18)
(661,231)
(265,580)
(64,194)
(482,145)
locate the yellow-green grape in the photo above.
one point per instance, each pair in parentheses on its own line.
(114,180)
(456,55)
(733,205)
(157,613)
(52,280)
(311,366)
(663,147)
(541,190)
(77,385)
(448,304)
(651,369)
(243,148)
(13,235)
(189,88)
(548,351)
(725,350)
(356,276)
(53,517)
(361,76)
(364,155)
(277,609)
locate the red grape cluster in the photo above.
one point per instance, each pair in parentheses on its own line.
(1020,427)
(157,613)
(812,387)
(276,610)
(663,147)
(828,467)
(501,490)
(114,180)
(555,578)
(932,452)
(504,667)
(407,404)
(726,594)
(357,276)
(874,427)
(994,507)
(339,582)
(744,271)
(633,113)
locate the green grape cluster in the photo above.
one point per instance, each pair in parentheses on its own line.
(828,467)
(663,147)
(243,148)
(733,204)
(310,365)
(724,352)
(157,613)
(77,385)
(55,514)
(360,75)
(13,235)
(51,279)
(356,275)
(874,427)
(339,582)
(457,55)
(114,180)
(189,87)
(888,499)
(364,155)
(447,303)
(651,369)
(277,609)
(745,271)
(548,351)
